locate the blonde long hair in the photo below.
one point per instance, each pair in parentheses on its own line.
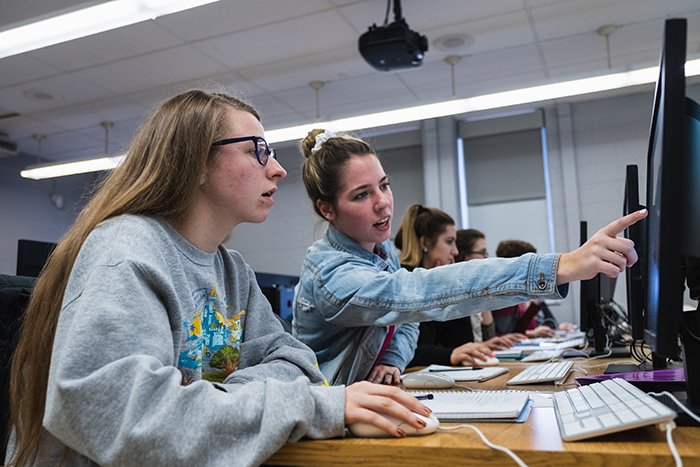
(419,222)
(159,177)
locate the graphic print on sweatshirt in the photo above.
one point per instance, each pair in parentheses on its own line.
(212,339)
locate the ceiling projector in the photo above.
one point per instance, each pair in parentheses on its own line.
(393,46)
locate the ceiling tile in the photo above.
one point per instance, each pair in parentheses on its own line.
(106,47)
(152,70)
(272,42)
(67,89)
(23,68)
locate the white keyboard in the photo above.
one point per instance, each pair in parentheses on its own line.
(607,407)
(543,373)
(543,355)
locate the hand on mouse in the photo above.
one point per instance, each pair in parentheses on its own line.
(470,352)
(366,402)
(385,374)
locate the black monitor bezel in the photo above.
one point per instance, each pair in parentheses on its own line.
(596,294)
(664,165)
(635,275)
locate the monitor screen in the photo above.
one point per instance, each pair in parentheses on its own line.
(279,291)
(31,256)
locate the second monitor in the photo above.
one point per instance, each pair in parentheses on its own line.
(596,306)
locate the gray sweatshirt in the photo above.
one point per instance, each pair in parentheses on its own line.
(148,324)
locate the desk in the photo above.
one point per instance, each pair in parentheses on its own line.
(536,442)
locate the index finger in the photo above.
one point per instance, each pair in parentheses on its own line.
(402,397)
(617,226)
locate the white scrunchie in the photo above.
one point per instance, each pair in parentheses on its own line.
(322,138)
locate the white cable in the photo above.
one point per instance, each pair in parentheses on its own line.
(575,384)
(603,355)
(670,425)
(513,456)
(581,358)
(677,402)
(597,357)
(671,445)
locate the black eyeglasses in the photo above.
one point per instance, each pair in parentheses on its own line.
(262,151)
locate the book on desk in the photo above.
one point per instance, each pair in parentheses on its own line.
(473,406)
(467,373)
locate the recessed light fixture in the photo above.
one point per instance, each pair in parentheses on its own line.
(453,43)
(37,95)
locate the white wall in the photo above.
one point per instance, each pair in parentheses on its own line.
(27,212)
(527,220)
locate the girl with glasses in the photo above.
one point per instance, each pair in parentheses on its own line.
(358,309)
(471,244)
(147,342)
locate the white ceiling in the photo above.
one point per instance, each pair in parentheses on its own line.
(269,50)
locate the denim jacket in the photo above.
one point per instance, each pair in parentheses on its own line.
(346,297)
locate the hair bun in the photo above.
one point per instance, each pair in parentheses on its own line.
(308,143)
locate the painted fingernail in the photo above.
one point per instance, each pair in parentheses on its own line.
(401,433)
(421,422)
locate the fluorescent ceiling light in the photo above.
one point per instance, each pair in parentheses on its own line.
(61,169)
(453,107)
(87,21)
(485,102)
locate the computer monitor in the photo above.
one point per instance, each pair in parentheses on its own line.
(279,290)
(32,256)
(596,295)
(672,229)
(634,278)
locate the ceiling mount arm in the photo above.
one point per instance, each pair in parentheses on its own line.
(397,11)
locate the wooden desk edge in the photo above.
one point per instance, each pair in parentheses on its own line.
(536,442)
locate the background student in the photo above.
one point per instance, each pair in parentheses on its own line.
(355,306)
(427,239)
(471,245)
(533,318)
(140,308)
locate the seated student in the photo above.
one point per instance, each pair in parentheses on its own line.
(141,308)
(471,244)
(356,307)
(427,239)
(534,317)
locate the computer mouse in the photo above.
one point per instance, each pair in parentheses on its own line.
(427,380)
(491,361)
(366,430)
